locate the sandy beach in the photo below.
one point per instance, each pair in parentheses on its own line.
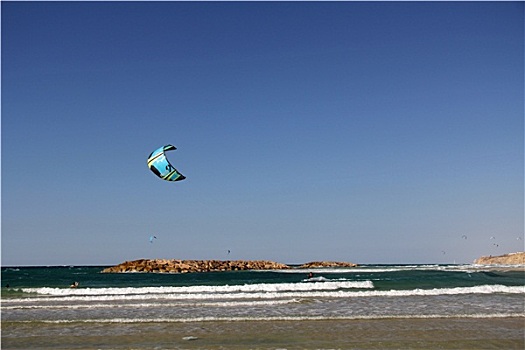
(440,333)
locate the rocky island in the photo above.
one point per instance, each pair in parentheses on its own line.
(316,264)
(507,259)
(188,266)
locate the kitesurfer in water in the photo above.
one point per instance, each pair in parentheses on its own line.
(74,285)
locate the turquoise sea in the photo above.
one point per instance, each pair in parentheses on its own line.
(40,297)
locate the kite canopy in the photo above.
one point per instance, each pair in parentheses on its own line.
(159,164)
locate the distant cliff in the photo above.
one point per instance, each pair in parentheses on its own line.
(187,266)
(507,259)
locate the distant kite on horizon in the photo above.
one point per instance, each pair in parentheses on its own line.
(160,166)
(151,238)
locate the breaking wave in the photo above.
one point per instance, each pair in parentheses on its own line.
(279,318)
(245,288)
(255,292)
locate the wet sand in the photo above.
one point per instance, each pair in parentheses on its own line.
(439,333)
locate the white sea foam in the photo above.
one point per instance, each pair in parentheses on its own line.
(280,318)
(340,270)
(260,294)
(252,303)
(397,268)
(245,288)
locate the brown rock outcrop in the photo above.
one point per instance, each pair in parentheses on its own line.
(507,259)
(315,264)
(186,266)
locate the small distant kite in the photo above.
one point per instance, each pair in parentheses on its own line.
(492,237)
(160,166)
(151,238)
(464,237)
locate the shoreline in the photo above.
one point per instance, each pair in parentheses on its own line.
(409,308)
(442,333)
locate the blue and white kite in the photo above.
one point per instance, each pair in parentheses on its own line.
(159,164)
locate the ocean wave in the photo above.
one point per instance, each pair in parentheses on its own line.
(278,318)
(397,268)
(54,295)
(341,270)
(245,288)
(252,303)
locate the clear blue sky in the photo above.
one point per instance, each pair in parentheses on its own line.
(362,132)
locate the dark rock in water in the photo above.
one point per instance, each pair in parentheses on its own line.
(315,264)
